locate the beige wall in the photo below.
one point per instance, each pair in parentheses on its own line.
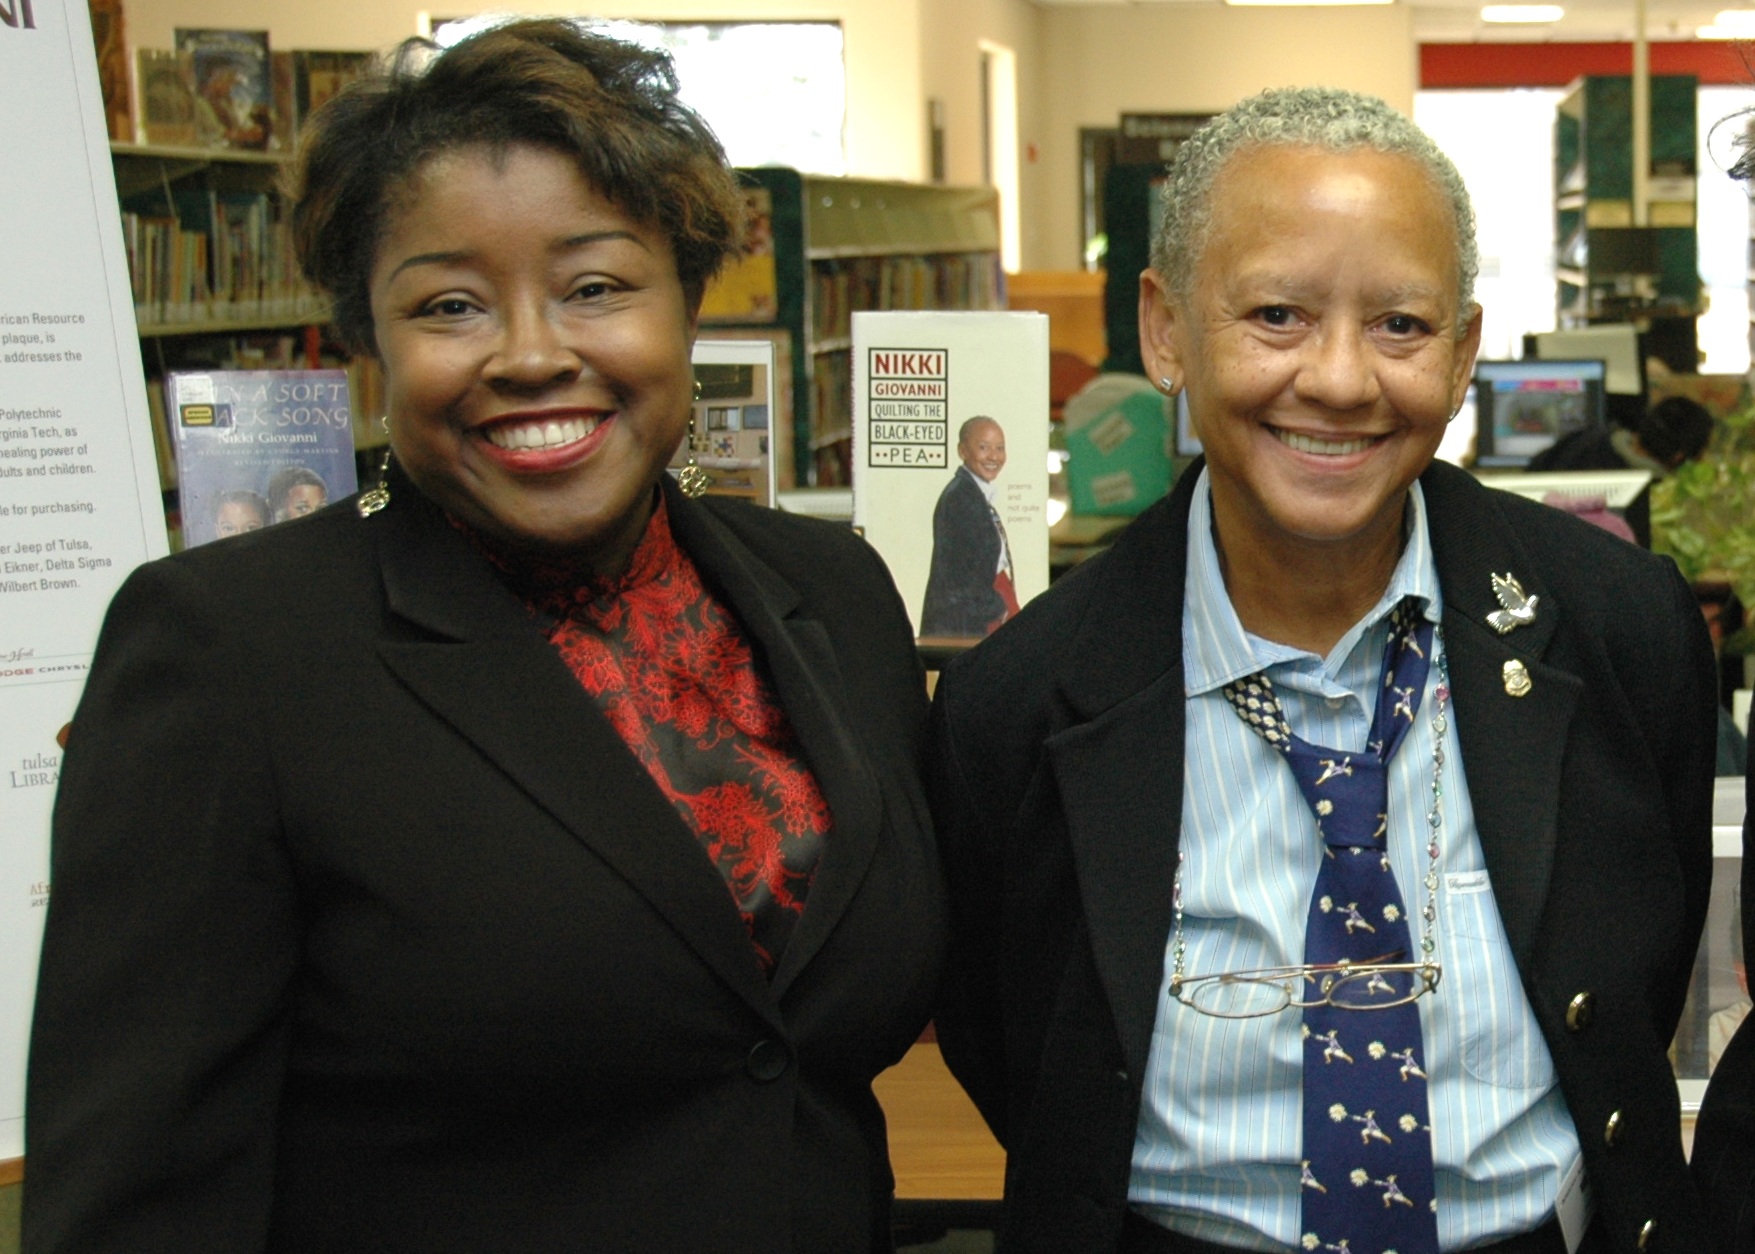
(1101,61)
(886,120)
(1078,65)
(951,33)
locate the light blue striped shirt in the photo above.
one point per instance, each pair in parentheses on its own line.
(1216,1155)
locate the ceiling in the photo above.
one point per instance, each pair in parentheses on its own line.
(1446,21)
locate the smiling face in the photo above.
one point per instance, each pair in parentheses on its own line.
(535,344)
(1319,347)
(982,449)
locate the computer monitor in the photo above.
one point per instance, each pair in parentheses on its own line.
(1616,343)
(1522,407)
(1614,488)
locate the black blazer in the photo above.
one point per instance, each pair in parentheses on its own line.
(1057,786)
(1724,1136)
(369,934)
(960,597)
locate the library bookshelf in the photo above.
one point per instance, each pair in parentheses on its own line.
(824,248)
(216,283)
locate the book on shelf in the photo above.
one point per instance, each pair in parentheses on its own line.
(251,352)
(233,86)
(748,288)
(840,286)
(167,268)
(283,102)
(258,447)
(164,447)
(365,389)
(167,97)
(318,75)
(831,398)
(950,460)
(210,255)
(109,41)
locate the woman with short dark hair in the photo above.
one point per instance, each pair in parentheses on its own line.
(564,879)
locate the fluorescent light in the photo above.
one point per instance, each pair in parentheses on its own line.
(1304,3)
(1729,24)
(1523,14)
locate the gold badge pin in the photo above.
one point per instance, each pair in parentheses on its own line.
(1517,679)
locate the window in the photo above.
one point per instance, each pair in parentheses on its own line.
(774,92)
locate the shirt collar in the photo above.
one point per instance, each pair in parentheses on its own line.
(986,487)
(1216,649)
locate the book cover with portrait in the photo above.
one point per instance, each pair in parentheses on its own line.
(258,447)
(950,461)
(234,94)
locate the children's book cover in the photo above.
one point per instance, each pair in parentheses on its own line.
(234,93)
(258,447)
(167,97)
(950,461)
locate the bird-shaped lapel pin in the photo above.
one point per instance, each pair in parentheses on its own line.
(1517,609)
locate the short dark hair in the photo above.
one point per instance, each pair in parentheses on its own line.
(610,106)
(1676,430)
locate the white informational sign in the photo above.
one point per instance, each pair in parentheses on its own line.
(79,495)
(950,461)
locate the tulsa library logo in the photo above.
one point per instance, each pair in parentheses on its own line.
(17,14)
(39,770)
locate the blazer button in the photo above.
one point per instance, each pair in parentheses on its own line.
(1612,1133)
(1580,1011)
(767,1061)
(1645,1233)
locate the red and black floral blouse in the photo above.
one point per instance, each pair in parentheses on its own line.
(672,672)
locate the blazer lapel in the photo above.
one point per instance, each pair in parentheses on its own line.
(1120,769)
(797,654)
(478,662)
(1512,746)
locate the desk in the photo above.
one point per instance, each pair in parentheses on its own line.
(940,1149)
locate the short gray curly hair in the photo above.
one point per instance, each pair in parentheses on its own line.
(1327,118)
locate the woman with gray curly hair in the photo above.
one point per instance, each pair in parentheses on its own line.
(1327,858)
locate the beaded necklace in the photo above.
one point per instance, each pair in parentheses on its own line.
(1434,838)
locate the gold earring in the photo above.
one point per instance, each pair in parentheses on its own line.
(376,498)
(691,480)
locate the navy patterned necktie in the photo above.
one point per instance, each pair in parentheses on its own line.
(1367,1183)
